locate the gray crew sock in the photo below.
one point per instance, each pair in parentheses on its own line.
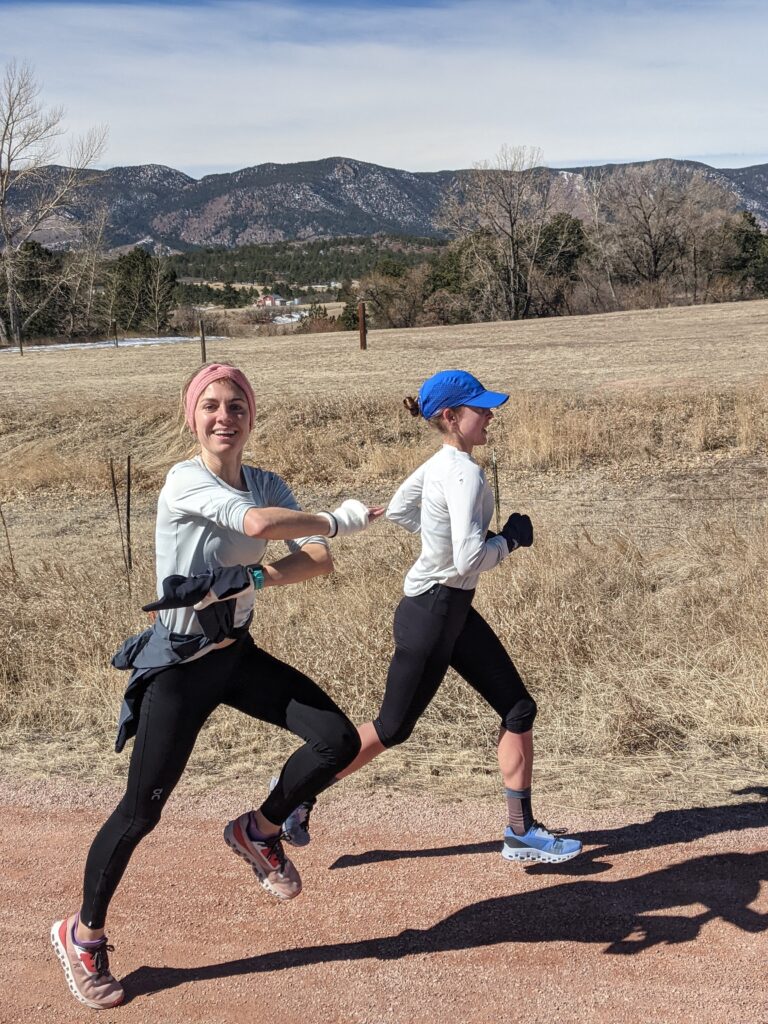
(519,807)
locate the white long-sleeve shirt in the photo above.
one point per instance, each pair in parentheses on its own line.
(448,500)
(200,523)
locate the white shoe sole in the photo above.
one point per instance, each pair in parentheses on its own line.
(256,866)
(521,854)
(61,953)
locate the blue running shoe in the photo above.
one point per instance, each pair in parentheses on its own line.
(296,825)
(539,844)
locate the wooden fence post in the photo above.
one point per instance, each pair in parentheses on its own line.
(202,340)
(128,550)
(363,326)
(8,541)
(119,521)
(496,495)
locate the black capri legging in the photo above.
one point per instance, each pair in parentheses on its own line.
(437,630)
(174,707)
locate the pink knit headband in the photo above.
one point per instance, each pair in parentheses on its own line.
(209,374)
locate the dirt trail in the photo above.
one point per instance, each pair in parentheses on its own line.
(409,915)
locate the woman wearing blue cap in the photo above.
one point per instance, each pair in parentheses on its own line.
(448,501)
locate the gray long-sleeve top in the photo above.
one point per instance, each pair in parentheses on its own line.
(200,523)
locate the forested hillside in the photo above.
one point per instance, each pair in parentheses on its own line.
(301,263)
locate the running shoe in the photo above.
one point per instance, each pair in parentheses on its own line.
(267,858)
(539,844)
(86,970)
(296,825)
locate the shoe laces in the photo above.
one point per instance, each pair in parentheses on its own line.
(100,958)
(275,851)
(549,831)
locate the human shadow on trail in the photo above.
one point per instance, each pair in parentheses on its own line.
(666,828)
(628,916)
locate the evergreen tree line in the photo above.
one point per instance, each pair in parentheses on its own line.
(78,293)
(279,266)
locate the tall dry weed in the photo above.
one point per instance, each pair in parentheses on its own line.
(644,646)
(635,657)
(359,439)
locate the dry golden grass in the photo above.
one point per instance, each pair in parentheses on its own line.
(637,441)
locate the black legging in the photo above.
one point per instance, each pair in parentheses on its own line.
(437,630)
(176,703)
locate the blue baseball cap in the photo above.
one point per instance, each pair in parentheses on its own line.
(451,388)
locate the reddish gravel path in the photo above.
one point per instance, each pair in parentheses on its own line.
(409,921)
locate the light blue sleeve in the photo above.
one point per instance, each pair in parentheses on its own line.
(191,491)
(270,491)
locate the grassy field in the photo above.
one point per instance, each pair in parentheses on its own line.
(637,442)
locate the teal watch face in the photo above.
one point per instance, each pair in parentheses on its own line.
(257,575)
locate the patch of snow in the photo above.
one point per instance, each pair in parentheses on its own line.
(288,318)
(127,343)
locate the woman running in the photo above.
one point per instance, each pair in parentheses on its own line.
(449,502)
(213,513)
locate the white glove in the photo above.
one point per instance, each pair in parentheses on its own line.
(350,517)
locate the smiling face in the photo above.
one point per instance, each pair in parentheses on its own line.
(222,420)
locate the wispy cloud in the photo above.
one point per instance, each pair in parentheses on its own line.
(421,85)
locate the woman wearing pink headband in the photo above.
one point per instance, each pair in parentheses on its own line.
(214,519)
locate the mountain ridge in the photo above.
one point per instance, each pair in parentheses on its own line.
(161,207)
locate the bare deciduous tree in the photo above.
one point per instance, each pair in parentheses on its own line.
(31,189)
(645,212)
(160,287)
(83,270)
(600,266)
(502,208)
(708,239)
(659,231)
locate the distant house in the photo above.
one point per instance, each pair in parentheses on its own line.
(270,300)
(325,286)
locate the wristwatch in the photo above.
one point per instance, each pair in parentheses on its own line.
(257,575)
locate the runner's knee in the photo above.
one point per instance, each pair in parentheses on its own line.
(340,746)
(136,825)
(520,716)
(395,735)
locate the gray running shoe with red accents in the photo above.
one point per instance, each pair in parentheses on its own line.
(86,970)
(267,858)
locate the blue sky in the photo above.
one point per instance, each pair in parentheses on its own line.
(215,85)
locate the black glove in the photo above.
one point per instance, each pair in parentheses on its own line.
(212,594)
(518,531)
(219,584)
